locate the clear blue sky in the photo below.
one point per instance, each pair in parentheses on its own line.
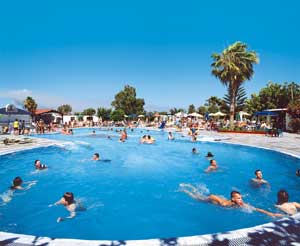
(84,52)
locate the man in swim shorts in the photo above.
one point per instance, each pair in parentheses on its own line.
(236,200)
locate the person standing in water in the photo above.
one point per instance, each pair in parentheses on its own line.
(259,178)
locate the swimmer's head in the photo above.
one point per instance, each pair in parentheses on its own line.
(69,197)
(17,181)
(258,174)
(236,198)
(96,156)
(194,150)
(149,137)
(298,173)
(37,163)
(282,197)
(213,162)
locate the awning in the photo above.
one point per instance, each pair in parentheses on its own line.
(265,113)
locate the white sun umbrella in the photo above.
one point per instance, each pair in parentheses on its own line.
(180,114)
(211,114)
(219,113)
(243,113)
(195,114)
(141,116)
(126,116)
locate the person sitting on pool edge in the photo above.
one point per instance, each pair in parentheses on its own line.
(259,178)
(96,157)
(70,204)
(236,200)
(212,167)
(39,166)
(283,203)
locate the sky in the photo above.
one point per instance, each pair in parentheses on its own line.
(84,52)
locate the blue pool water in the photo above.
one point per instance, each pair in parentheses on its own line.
(135,196)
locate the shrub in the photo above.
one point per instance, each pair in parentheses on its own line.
(295,125)
(294,111)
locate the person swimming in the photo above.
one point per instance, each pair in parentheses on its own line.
(70,204)
(149,140)
(298,173)
(39,166)
(212,166)
(170,136)
(236,200)
(16,185)
(209,156)
(284,205)
(96,157)
(259,178)
(194,151)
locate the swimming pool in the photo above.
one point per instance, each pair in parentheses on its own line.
(135,196)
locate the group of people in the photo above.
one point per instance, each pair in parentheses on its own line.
(147,139)
(66,130)
(67,199)
(236,200)
(19,127)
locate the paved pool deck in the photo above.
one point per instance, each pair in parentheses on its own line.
(287,143)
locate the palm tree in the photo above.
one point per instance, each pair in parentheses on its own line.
(240,99)
(30,104)
(233,67)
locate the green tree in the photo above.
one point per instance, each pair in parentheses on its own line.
(233,67)
(104,113)
(30,105)
(176,110)
(294,112)
(213,104)
(89,111)
(253,104)
(240,99)
(117,115)
(274,95)
(202,110)
(191,109)
(127,101)
(65,109)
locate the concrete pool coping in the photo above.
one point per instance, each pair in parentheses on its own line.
(285,231)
